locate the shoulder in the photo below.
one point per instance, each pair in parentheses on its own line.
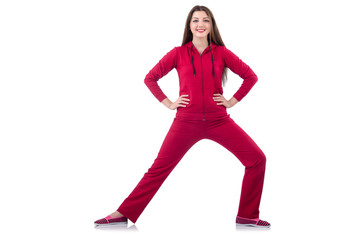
(227,53)
(222,49)
(172,52)
(182,49)
(219,50)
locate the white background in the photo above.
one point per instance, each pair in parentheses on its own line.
(79,127)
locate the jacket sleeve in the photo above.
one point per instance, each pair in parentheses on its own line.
(236,65)
(164,66)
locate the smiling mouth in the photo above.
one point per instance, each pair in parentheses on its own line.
(201,30)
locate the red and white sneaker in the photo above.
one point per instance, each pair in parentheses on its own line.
(256,222)
(111,221)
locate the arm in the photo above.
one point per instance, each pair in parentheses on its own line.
(233,101)
(166,102)
(164,66)
(236,65)
(182,101)
(222,101)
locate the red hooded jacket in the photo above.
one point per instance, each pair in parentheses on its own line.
(200,77)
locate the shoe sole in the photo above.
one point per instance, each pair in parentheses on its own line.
(251,225)
(108,224)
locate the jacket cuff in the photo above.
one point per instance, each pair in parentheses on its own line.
(161,97)
(238,96)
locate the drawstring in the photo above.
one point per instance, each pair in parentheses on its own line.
(212,59)
(192,60)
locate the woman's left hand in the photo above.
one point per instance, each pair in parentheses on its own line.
(221,100)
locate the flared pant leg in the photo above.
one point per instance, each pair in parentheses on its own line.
(181,136)
(228,134)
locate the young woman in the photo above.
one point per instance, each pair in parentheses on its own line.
(201,63)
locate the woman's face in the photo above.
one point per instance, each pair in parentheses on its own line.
(200,24)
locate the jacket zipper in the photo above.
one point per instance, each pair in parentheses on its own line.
(202,80)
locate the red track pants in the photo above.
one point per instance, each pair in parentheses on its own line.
(182,135)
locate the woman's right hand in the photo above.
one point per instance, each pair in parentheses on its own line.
(182,101)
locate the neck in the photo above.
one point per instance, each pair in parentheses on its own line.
(200,42)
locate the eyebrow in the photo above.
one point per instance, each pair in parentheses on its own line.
(198,18)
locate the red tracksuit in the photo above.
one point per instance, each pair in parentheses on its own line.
(200,78)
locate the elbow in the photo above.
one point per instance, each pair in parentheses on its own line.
(255,78)
(150,79)
(147,81)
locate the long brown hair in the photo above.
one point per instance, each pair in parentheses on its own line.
(214,35)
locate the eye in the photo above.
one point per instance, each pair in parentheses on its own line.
(207,21)
(194,21)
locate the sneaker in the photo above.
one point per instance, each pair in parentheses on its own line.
(256,222)
(111,221)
